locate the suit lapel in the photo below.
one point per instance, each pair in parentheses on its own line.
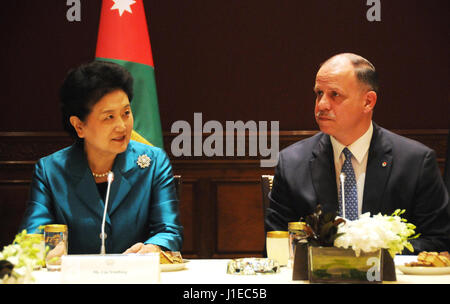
(84,182)
(120,187)
(324,174)
(85,186)
(379,164)
(87,191)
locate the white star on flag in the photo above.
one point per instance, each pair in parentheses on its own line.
(123,5)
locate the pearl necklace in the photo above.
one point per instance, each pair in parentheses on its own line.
(100,175)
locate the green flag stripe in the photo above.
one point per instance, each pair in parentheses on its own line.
(145,101)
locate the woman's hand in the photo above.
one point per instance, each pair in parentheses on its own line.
(143,248)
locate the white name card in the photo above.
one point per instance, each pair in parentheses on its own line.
(110,269)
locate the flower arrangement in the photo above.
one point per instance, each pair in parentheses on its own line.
(18,260)
(370,233)
(341,250)
(366,234)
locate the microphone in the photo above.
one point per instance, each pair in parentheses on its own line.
(103,236)
(342,178)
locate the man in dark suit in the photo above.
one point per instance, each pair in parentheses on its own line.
(387,171)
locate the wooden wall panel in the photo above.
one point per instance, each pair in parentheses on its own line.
(187,216)
(239,213)
(13,196)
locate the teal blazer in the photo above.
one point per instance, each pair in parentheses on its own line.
(143,204)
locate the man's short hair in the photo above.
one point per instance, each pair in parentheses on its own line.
(364,70)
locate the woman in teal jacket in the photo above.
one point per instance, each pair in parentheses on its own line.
(69,186)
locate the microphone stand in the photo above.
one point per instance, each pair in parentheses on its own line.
(342,178)
(103,236)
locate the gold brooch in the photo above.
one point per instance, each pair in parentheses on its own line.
(143,161)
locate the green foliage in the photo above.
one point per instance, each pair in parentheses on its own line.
(18,260)
(323,227)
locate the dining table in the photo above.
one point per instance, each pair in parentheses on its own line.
(214,271)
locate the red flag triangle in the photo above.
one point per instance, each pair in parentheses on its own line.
(123,32)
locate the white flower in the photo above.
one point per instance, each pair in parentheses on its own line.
(24,256)
(369,234)
(13,260)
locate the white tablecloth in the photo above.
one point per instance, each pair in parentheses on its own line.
(213,271)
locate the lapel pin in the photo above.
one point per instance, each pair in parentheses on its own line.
(143,161)
(384,164)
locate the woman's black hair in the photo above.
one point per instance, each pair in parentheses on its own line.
(85,85)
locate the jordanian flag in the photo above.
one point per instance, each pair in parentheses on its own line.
(123,38)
